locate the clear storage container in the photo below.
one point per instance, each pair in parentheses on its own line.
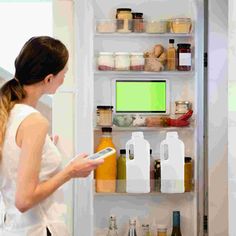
(122,61)
(106,26)
(181,25)
(137,61)
(156,27)
(106,61)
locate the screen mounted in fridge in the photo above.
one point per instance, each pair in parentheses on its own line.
(132,96)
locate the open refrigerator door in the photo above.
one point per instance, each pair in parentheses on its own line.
(115,44)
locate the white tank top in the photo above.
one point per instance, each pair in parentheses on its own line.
(47,214)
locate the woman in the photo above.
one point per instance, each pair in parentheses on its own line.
(30,167)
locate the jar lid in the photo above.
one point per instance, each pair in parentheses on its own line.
(122,151)
(107,129)
(138,14)
(183,19)
(187,159)
(122,53)
(161,227)
(106,53)
(105,107)
(136,53)
(182,102)
(123,9)
(184,45)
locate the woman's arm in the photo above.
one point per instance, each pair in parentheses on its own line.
(29,191)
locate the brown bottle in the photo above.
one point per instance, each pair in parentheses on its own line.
(171,56)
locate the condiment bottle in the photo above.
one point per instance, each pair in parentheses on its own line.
(124,20)
(157,175)
(188,168)
(161,230)
(171,56)
(146,230)
(152,172)
(121,172)
(184,60)
(176,224)
(112,227)
(132,228)
(138,24)
(105,174)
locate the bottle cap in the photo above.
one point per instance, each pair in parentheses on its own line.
(122,151)
(172,135)
(171,40)
(137,134)
(107,129)
(105,107)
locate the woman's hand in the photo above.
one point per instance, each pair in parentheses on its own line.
(81,166)
(54,139)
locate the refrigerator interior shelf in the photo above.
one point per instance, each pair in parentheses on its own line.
(144,194)
(142,35)
(167,129)
(146,73)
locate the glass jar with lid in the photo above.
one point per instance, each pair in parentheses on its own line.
(137,61)
(122,61)
(104,115)
(138,23)
(161,230)
(106,61)
(181,107)
(124,20)
(181,25)
(184,57)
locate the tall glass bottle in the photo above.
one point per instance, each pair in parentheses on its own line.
(105,174)
(176,224)
(112,227)
(171,55)
(132,228)
(121,172)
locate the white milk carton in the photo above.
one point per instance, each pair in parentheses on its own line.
(172,164)
(138,168)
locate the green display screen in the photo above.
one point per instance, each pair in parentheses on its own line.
(141,96)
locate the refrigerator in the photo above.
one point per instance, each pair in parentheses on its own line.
(92,87)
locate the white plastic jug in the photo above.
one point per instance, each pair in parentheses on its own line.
(172,164)
(138,169)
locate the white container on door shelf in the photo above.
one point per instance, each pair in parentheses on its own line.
(138,168)
(172,164)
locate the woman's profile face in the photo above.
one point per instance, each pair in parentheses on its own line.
(56,81)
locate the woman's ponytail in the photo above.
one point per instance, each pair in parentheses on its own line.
(10,93)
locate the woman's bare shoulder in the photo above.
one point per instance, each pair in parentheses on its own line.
(34,121)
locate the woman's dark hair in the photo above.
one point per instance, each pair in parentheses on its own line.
(39,57)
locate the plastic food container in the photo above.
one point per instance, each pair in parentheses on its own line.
(156,27)
(104,115)
(122,61)
(136,61)
(106,26)
(181,25)
(106,61)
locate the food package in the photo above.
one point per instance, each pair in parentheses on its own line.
(155,59)
(154,121)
